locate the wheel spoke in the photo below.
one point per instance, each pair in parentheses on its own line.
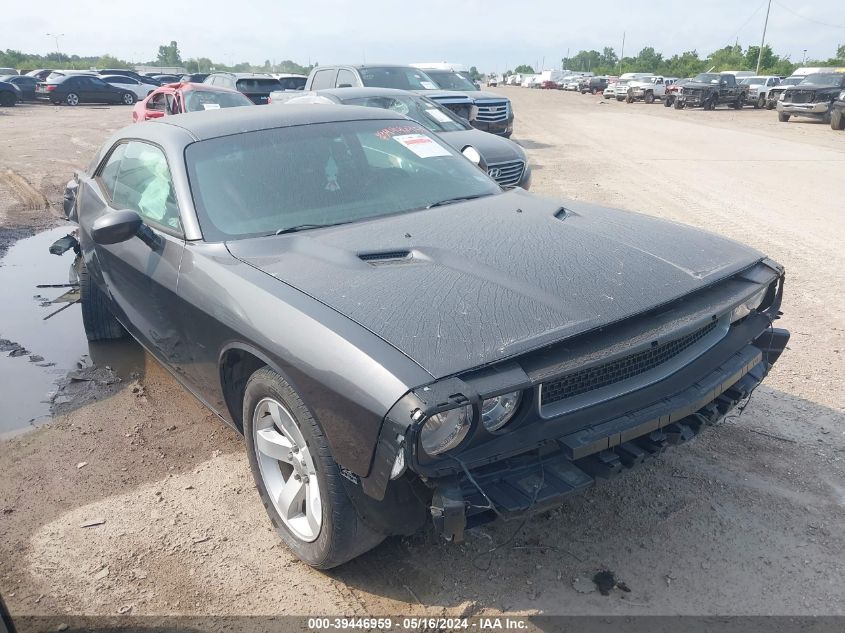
(272,443)
(313,510)
(291,497)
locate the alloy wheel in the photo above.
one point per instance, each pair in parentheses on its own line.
(287,469)
(72,99)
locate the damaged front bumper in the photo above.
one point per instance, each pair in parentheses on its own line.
(543,478)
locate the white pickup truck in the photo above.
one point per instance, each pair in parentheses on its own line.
(758,88)
(648,88)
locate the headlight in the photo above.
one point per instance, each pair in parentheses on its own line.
(782,95)
(470,152)
(744,309)
(498,411)
(841,96)
(445,430)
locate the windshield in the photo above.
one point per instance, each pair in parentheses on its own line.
(261,182)
(791,81)
(447,80)
(401,77)
(431,116)
(258,85)
(198,100)
(707,78)
(747,81)
(824,79)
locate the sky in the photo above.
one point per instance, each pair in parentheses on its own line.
(493,35)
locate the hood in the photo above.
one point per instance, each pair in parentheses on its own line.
(443,95)
(479,95)
(494,149)
(699,85)
(468,284)
(815,87)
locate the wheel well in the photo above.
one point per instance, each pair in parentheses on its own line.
(236,367)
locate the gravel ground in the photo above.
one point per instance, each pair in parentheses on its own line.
(749,518)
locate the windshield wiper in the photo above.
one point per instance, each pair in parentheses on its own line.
(304,227)
(442,203)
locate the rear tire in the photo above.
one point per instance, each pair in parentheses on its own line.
(99,322)
(128,98)
(341,535)
(8,99)
(783,117)
(72,99)
(837,121)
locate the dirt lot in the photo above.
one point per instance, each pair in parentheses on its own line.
(747,519)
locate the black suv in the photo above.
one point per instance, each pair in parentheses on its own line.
(256,86)
(594,85)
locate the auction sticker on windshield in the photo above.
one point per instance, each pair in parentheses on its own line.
(437,115)
(422,145)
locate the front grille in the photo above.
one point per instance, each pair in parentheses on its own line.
(507,174)
(693,92)
(492,111)
(800,96)
(774,93)
(585,380)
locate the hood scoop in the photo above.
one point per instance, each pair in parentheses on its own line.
(386,257)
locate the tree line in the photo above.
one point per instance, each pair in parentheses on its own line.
(688,63)
(168,55)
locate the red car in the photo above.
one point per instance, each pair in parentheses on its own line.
(549,85)
(182,97)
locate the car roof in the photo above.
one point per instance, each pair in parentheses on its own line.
(224,122)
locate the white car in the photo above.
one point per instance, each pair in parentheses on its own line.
(758,88)
(139,89)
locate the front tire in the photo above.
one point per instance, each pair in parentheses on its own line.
(761,103)
(72,99)
(837,121)
(783,117)
(297,478)
(649,97)
(97,319)
(667,102)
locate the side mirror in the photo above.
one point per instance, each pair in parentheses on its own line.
(116,226)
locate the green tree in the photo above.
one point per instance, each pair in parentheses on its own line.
(473,72)
(168,55)
(524,69)
(728,58)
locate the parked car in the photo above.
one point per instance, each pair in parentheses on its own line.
(399,340)
(837,112)
(178,98)
(594,85)
(572,83)
(775,92)
(24,83)
(75,89)
(144,79)
(620,90)
(758,88)
(40,74)
(646,89)
(672,91)
(140,90)
(492,82)
(166,79)
(502,159)
(10,94)
(812,98)
(548,84)
(9,71)
(256,86)
(290,81)
(609,91)
(707,90)
(195,78)
(495,112)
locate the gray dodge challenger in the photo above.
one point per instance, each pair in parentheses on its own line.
(401,342)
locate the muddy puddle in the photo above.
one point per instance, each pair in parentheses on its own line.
(48,365)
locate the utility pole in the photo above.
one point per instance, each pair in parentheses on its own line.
(763,41)
(622,53)
(56,36)
(804,59)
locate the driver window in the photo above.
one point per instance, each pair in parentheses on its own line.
(144,185)
(157,103)
(346,78)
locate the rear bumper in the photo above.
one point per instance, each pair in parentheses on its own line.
(543,478)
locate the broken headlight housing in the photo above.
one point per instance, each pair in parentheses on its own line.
(748,306)
(496,412)
(445,430)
